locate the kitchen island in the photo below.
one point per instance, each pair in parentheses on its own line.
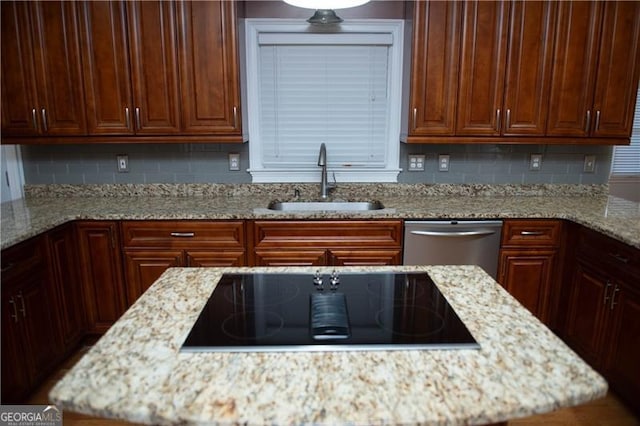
(137,372)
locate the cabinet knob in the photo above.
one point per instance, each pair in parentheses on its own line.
(606,293)
(127,118)
(43,114)
(183,234)
(613,297)
(14,314)
(531,233)
(498,119)
(595,128)
(34,118)
(588,121)
(138,126)
(23,308)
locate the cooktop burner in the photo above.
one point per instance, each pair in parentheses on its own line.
(304,312)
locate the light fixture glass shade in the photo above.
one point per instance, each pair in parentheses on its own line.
(326,4)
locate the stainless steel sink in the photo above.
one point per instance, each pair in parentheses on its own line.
(336,206)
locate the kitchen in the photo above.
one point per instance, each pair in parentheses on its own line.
(474,164)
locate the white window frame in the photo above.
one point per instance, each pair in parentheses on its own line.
(358,28)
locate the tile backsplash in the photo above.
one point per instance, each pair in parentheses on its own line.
(208,163)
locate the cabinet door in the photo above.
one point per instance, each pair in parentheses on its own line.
(65,277)
(622,345)
(618,70)
(365,257)
(19,97)
(105,56)
(209,259)
(527,276)
(143,268)
(586,316)
(303,257)
(482,65)
(209,75)
(154,67)
(15,369)
(101,272)
(434,82)
(61,106)
(529,62)
(575,56)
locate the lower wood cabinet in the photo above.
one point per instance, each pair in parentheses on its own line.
(603,311)
(528,267)
(31,343)
(326,242)
(101,273)
(150,247)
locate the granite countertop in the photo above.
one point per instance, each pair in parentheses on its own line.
(136,372)
(49,205)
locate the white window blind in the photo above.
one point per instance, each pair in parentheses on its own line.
(336,94)
(340,86)
(626,159)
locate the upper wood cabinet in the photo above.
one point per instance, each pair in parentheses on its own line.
(156,70)
(41,70)
(130,67)
(527,72)
(210,84)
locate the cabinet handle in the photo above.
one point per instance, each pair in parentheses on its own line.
(8,267)
(508,119)
(415,118)
(531,233)
(588,123)
(14,315)
(127,118)
(43,113)
(235,117)
(597,120)
(138,118)
(613,297)
(606,293)
(34,118)
(498,117)
(183,234)
(23,309)
(619,257)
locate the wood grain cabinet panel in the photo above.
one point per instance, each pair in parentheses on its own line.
(335,242)
(31,343)
(603,311)
(210,85)
(41,70)
(102,273)
(529,267)
(150,247)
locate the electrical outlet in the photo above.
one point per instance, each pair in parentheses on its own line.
(443,162)
(416,163)
(234,161)
(589,164)
(535,162)
(123,163)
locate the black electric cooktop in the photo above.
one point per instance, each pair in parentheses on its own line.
(305,312)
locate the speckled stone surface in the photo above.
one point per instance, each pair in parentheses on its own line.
(136,372)
(51,205)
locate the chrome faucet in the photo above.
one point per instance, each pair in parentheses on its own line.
(325,186)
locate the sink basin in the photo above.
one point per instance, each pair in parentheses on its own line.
(336,206)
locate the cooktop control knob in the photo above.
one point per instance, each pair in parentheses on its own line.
(334,280)
(317,281)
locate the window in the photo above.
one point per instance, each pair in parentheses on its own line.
(626,159)
(307,86)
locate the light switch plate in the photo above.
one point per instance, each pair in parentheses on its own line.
(535,162)
(589,164)
(416,162)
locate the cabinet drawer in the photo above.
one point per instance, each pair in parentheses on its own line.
(531,233)
(600,249)
(20,259)
(183,234)
(327,234)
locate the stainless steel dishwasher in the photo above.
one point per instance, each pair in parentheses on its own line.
(453,242)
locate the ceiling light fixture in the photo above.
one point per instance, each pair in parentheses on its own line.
(326,4)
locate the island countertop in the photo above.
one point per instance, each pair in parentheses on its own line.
(50,206)
(136,371)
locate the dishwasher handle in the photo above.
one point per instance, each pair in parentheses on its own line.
(454,233)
